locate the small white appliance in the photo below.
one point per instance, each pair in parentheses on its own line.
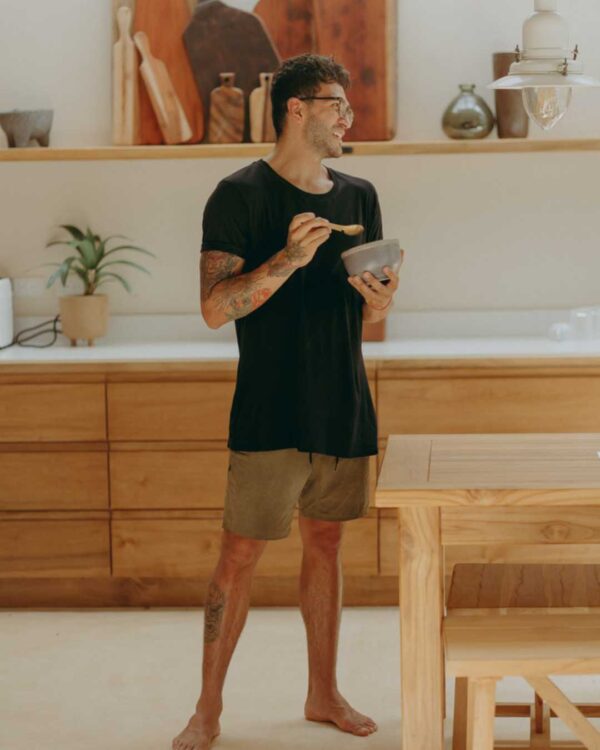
(6,312)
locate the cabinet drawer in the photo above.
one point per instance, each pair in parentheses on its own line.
(488,404)
(190,547)
(56,480)
(169,411)
(168,479)
(54,548)
(56,412)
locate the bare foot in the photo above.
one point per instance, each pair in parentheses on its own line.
(336,710)
(199,734)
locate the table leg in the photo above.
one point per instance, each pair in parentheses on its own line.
(421,612)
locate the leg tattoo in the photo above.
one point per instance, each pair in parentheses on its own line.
(215,604)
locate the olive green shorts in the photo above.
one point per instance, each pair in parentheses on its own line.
(264,488)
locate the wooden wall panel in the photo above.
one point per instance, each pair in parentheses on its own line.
(169,411)
(168,478)
(52,412)
(56,480)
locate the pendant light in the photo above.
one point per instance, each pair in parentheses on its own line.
(545,69)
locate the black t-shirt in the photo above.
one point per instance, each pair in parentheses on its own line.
(301,380)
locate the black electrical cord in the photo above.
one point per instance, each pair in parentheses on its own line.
(19,337)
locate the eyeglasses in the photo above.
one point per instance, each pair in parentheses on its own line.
(343,109)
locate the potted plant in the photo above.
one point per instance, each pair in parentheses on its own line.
(85,316)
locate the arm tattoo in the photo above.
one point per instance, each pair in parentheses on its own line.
(240,297)
(215,604)
(295,252)
(284,266)
(216,266)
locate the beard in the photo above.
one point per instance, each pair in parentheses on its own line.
(322,139)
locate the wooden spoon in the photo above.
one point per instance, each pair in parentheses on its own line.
(350,229)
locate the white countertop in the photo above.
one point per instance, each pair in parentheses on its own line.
(410,335)
(150,351)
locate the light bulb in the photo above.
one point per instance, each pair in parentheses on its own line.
(545,105)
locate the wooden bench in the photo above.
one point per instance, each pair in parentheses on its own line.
(521,620)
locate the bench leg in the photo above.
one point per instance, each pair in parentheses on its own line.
(459,726)
(565,710)
(481,710)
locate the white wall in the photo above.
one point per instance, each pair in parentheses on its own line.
(481,232)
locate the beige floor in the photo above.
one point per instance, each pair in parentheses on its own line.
(128,680)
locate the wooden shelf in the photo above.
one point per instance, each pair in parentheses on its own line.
(251,150)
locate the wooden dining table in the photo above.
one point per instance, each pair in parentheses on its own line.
(495,498)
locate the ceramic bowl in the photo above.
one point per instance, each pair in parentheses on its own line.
(372,257)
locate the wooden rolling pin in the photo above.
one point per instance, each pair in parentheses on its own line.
(165,102)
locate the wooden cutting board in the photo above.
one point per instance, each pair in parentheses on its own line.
(125,114)
(361,35)
(165,103)
(226,124)
(164,21)
(220,39)
(290,24)
(261,112)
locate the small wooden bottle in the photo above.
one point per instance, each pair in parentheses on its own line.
(226,122)
(261,111)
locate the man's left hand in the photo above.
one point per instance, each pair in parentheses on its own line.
(377,295)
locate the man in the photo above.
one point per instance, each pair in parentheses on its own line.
(302,423)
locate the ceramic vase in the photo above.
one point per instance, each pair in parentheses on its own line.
(467,115)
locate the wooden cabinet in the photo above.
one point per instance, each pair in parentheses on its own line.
(169,411)
(54,545)
(481,396)
(66,478)
(168,475)
(52,412)
(489,404)
(116,473)
(180,544)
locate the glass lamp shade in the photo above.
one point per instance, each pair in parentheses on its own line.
(545,105)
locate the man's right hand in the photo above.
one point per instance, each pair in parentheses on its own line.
(306,234)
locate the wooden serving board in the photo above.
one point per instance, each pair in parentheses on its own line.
(290,24)
(261,112)
(125,114)
(226,124)
(220,39)
(116,4)
(361,35)
(165,103)
(164,21)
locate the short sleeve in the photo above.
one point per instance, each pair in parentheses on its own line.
(225,224)
(374,222)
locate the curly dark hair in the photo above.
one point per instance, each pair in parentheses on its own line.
(302,76)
